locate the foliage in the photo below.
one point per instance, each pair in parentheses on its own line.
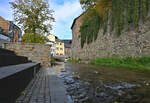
(102,7)
(90,27)
(87,3)
(117,13)
(94,18)
(145,8)
(33,38)
(33,15)
(136,12)
(128,62)
(120,13)
(73,60)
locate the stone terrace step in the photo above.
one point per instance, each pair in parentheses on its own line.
(11,70)
(14,79)
(5,51)
(8,57)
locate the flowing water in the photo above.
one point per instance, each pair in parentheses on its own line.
(92,84)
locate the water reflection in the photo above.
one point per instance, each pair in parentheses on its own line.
(59,67)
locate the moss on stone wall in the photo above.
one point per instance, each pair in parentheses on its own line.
(115,12)
(90,27)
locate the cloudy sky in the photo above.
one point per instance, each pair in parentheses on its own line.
(65,12)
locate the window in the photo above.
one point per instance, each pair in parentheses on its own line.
(61,48)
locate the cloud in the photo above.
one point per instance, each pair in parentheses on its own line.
(65,12)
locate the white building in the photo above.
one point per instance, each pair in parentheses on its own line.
(52,43)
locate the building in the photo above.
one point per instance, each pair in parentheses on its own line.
(57,46)
(4,24)
(76,37)
(51,37)
(14,32)
(52,42)
(60,48)
(3,37)
(10,30)
(67,44)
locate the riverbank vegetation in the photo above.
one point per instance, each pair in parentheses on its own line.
(73,60)
(118,14)
(142,63)
(128,62)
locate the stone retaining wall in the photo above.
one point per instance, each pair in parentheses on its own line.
(134,43)
(35,52)
(68,52)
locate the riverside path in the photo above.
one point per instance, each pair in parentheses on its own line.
(46,87)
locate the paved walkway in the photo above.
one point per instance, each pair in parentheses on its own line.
(44,88)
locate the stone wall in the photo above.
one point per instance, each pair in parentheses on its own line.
(134,43)
(35,52)
(68,52)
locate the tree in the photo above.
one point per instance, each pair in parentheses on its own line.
(34,16)
(29,38)
(87,3)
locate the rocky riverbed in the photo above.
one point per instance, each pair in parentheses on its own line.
(91,84)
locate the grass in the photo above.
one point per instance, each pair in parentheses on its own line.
(128,62)
(73,60)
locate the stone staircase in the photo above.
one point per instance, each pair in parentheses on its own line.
(15,74)
(8,58)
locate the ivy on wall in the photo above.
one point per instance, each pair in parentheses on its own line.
(115,12)
(90,27)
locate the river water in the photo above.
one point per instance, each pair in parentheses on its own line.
(92,84)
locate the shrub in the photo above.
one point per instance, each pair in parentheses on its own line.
(33,38)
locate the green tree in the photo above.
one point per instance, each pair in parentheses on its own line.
(34,16)
(87,3)
(30,38)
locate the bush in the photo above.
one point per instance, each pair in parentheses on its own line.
(33,38)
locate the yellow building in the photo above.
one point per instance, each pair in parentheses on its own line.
(57,46)
(51,37)
(60,48)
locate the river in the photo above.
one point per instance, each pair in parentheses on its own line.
(93,84)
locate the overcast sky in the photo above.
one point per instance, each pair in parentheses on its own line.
(65,12)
